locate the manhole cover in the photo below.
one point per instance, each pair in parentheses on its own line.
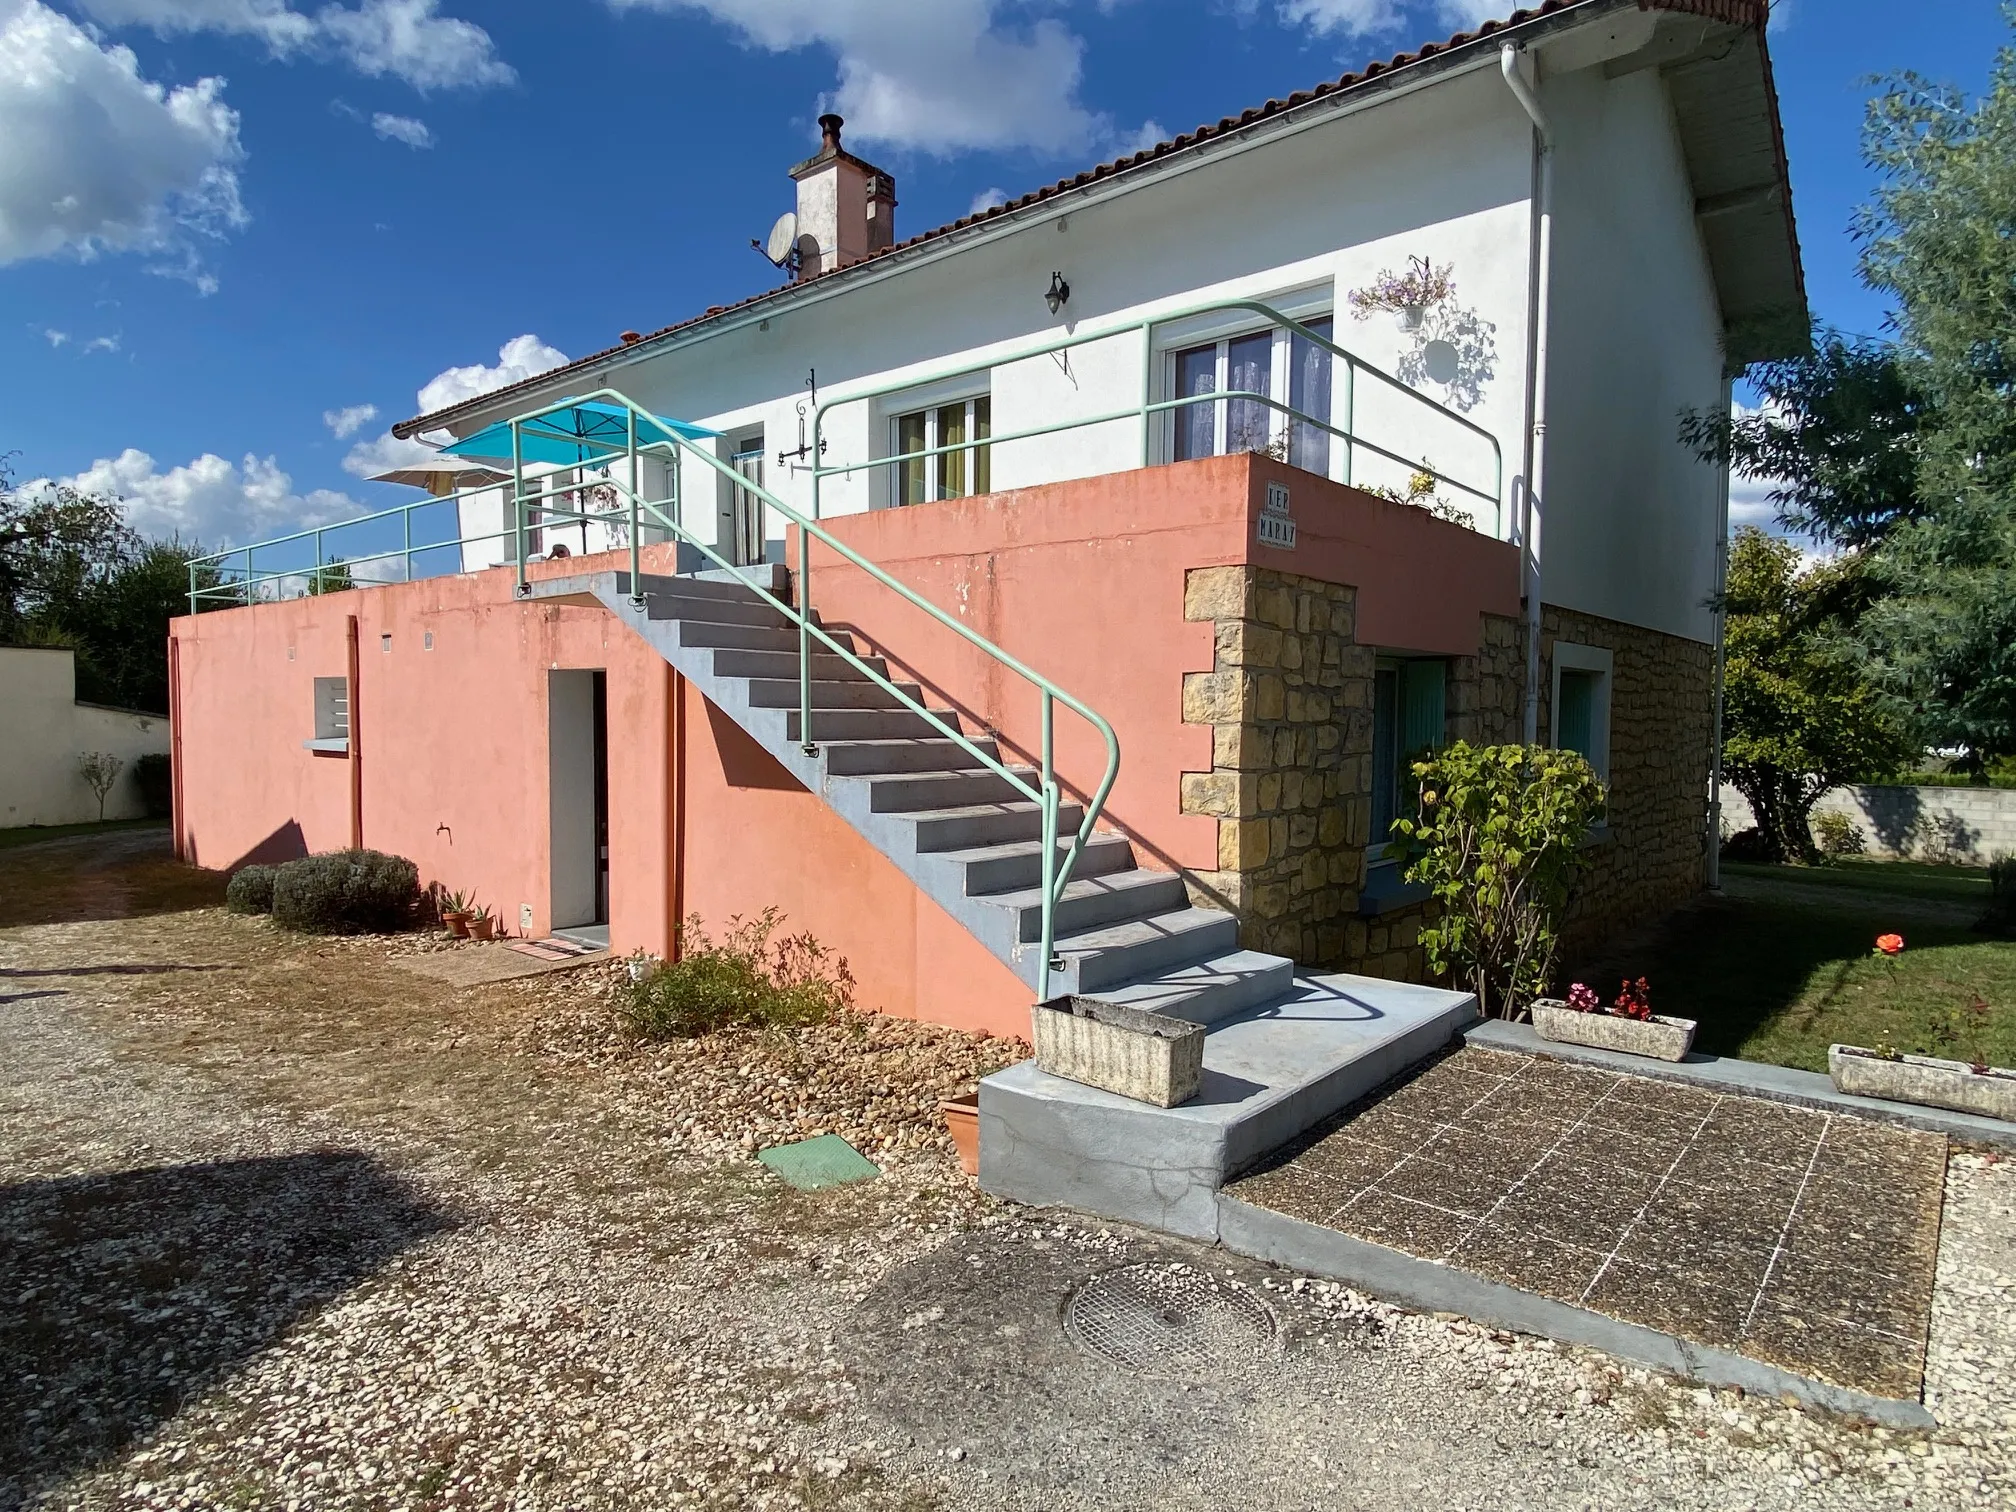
(1170,1320)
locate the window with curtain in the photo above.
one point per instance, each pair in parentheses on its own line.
(965,424)
(1266,364)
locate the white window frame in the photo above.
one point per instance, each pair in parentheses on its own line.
(928,402)
(332,716)
(1175,341)
(1569,657)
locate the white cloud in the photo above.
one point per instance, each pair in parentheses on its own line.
(519,358)
(210,500)
(346,422)
(1345,18)
(382,453)
(101,344)
(55,338)
(987,199)
(405,39)
(99,159)
(398,128)
(940,78)
(1466,15)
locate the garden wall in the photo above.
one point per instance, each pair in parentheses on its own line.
(1967,825)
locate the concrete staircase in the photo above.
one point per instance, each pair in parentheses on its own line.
(961,832)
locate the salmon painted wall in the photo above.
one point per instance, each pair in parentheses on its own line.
(1083,582)
(452,738)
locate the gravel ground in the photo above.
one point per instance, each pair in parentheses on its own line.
(287,1226)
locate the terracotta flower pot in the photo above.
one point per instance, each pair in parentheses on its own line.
(457,923)
(482,929)
(962,1117)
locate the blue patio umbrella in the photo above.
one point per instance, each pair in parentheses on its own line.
(575,431)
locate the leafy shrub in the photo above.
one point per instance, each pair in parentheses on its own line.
(157,786)
(346,892)
(745,980)
(1498,843)
(2000,917)
(250,890)
(1748,846)
(1838,835)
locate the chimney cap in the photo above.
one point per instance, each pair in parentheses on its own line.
(631,338)
(829,131)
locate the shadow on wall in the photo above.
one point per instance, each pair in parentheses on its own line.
(131,1293)
(286,843)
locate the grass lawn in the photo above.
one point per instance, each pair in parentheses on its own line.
(1910,879)
(28,834)
(1780,976)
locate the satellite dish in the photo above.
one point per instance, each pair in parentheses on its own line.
(783,237)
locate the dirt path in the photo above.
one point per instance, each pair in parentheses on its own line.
(287,1225)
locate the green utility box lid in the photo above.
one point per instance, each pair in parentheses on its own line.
(823,1162)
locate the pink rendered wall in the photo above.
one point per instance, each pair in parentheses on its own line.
(1083,582)
(453,739)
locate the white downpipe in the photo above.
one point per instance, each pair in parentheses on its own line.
(1534,491)
(1721,664)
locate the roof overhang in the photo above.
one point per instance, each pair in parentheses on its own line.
(1713,53)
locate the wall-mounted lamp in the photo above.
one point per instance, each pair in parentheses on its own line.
(1059,295)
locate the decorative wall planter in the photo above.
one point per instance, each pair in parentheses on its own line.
(1923,1080)
(962,1118)
(1659,1037)
(1142,1055)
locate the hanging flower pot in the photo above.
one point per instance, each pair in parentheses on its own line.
(1410,317)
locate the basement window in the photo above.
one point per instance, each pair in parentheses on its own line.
(1410,713)
(1582,703)
(332,716)
(962,423)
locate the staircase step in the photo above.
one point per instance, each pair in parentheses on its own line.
(720,611)
(833,725)
(702,632)
(907,792)
(782,693)
(866,758)
(715,585)
(987,824)
(1090,902)
(1019,863)
(1119,952)
(1209,990)
(826,667)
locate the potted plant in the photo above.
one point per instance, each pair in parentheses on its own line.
(1409,296)
(962,1120)
(481,925)
(1142,1055)
(454,910)
(1966,1085)
(1628,1025)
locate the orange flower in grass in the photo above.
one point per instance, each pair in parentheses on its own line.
(1890,944)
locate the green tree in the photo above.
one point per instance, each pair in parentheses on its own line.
(51,540)
(1800,717)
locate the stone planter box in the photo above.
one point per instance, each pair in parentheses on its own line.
(1923,1080)
(1661,1038)
(1142,1055)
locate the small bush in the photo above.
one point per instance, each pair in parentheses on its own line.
(744,981)
(2000,917)
(250,890)
(1838,835)
(157,784)
(346,892)
(1748,845)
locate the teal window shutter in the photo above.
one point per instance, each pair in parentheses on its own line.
(1576,724)
(1424,706)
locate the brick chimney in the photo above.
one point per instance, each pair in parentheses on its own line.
(846,207)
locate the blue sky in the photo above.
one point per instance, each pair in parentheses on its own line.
(230,222)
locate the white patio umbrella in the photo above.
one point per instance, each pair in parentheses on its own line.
(441,476)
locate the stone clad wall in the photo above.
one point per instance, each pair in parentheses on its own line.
(1289,702)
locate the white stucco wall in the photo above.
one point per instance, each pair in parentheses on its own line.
(47,730)
(1631,516)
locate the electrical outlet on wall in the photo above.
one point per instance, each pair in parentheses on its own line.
(525,918)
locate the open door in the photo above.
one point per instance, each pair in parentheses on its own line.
(577,706)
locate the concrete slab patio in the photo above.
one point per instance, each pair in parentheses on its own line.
(1804,1241)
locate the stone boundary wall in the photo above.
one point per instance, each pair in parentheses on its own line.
(1968,825)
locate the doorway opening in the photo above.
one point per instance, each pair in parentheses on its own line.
(578,804)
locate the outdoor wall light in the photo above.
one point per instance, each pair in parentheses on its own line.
(1059,295)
